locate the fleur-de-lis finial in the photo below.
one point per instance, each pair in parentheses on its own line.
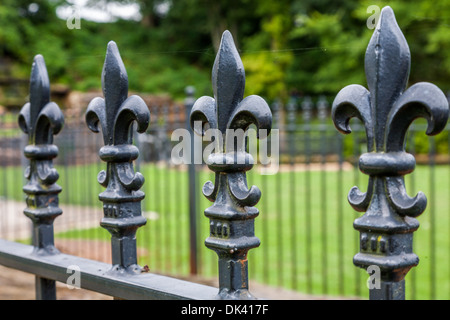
(121,199)
(387,110)
(232,214)
(41,119)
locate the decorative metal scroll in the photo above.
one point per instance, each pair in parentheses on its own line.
(387,110)
(116,113)
(232,214)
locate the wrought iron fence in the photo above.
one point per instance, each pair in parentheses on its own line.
(305,227)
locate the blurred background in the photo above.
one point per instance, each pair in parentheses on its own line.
(297,55)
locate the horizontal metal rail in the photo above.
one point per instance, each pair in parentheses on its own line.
(100,277)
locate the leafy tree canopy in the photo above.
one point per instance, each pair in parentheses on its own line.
(287,46)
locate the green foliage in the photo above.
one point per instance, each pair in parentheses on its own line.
(307,47)
(266,69)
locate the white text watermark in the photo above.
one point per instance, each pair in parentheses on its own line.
(74,280)
(238,141)
(373,19)
(74,19)
(374,281)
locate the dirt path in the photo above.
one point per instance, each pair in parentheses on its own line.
(15,225)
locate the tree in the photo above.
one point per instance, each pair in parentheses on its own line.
(306,46)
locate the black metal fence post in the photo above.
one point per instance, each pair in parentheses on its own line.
(322,107)
(122,197)
(291,129)
(387,110)
(41,119)
(192,187)
(232,214)
(306,109)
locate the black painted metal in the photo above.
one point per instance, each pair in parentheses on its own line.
(192,181)
(122,197)
(97,276)
(41,119)
(232,214)
(387,110)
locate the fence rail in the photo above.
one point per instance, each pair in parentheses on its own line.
(305,226)
(97,276)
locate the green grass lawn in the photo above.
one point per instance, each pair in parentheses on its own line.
(305,227)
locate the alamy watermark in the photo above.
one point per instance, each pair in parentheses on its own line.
(373,19)
(237,141)
(74,280)
(74,19)
(374,280)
